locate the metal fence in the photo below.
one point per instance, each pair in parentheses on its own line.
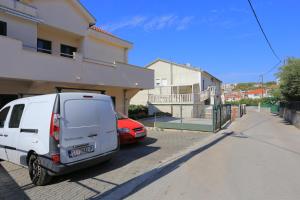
(222,114)
(190,117)
(293,105)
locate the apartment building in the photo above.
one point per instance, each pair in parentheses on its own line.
(178,84)
(54,46)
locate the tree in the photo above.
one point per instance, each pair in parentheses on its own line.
(289,76)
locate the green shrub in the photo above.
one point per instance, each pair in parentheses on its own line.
(254,102)
(137,111)
(289,75)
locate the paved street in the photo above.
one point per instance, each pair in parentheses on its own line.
(260,160)
(132,161)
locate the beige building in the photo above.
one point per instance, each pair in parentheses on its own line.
(179,84)
(53,46)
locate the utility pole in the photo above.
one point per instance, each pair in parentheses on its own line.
(262,86)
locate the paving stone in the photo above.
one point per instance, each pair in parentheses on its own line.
(131,161)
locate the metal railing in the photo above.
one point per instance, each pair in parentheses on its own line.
(178,98)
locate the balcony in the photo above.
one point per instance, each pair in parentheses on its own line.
(17,7)
(20,63)
(179,98)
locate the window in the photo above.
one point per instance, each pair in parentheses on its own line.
(3,115)
(84,113)
(44,46)
(16,115)
(3,28)
(67,51)
(164,82)
(157,82)
(203,85)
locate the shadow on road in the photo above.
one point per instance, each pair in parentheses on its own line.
(127,154)
(153,175)
(9,189)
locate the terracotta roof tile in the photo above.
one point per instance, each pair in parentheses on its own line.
(257,91)
(98,29)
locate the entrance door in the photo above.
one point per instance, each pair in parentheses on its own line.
(6,98)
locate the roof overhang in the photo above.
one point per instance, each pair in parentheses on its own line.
(109,38)
(86,13)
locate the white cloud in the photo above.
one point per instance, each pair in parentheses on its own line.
(152,23)
(131,23)
(184,23)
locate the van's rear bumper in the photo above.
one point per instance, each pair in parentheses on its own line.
(60,169)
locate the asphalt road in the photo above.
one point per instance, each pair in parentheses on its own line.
(260,160)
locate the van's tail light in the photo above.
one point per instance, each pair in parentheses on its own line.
(54,127)
(55,158)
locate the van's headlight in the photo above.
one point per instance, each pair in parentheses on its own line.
(124,130)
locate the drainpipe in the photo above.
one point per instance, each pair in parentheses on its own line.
(124,102)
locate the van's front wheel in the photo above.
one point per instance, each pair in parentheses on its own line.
(38,175)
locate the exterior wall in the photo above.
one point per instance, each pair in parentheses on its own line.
(141,98)
(291,116)
(183,77)
(188,111)
(18,87)
(64,16)
(253,96)
(163,70)
(20,7)
(100,63)
(28,65)
(28,34)
(209,81)
(58,37)
(97,49)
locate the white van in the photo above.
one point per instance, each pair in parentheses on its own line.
(58,133)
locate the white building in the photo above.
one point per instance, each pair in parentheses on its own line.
(178,84)
(49,46)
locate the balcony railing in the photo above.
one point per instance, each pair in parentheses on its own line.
(17,6)
(178,98)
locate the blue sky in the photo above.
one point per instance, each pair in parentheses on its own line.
(221,37)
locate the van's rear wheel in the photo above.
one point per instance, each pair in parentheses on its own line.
(38,175)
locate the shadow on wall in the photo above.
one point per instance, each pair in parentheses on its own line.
(291,116)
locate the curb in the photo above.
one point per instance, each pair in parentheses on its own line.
(127,188)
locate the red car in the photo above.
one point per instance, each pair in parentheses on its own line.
(130,131)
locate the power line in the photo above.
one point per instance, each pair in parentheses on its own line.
(263,32)
(271,69)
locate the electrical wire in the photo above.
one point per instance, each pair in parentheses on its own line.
(263,32)
(271,69)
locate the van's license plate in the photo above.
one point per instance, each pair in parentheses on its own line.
(80,151)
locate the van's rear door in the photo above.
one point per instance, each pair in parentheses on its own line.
(85,119)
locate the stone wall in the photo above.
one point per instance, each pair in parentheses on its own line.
(291,116)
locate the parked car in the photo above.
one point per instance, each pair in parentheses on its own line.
(130,131)
(58,133)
